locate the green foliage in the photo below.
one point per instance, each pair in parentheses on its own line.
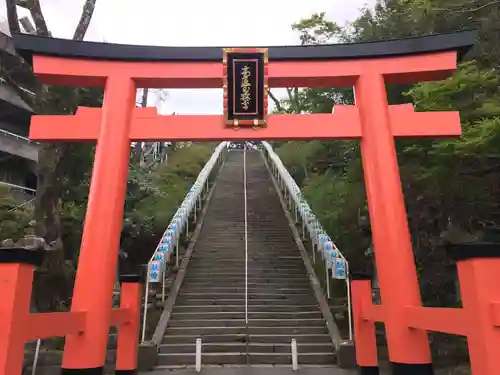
(459,175)
(15,215)
(471,90)
(446,183)
(316,29)
(153,197)
(171,182)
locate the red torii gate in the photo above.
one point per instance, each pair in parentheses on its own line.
(367,67)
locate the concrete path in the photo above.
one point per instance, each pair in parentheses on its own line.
(256,370)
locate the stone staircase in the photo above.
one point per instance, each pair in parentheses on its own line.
(211,302)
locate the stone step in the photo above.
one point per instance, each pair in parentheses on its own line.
(241,308)
(197,315)
(286,358)
(240,358)
(239,290)
(254,256)
(176,359)
(240,284)
(221,347)
(237,253)
(50,358)
(269,274)
(243,338)
(307,322)
(200,266)
(304,283)
(270,278)
(189,331)
(216,258)
(282,233)
(237,258)
(188,301)
(211,302)
(251,271)
(269,294)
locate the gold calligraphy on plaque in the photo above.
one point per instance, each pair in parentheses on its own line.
(245,97)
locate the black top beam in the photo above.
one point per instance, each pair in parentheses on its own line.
(29,45)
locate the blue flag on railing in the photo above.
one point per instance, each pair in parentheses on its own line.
(339,269)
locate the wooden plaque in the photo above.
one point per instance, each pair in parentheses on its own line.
(245,87)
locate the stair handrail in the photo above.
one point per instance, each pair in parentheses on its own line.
(7,133)
(320,239)
(169,240)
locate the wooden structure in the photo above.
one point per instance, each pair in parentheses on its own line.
(368,67)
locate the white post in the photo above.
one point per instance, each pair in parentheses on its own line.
(349,304)
(187,227)
(163,285)
(146,295)
(35,359)
(198,355)
(246,231)
(177,254)
(295,359)
(327,276)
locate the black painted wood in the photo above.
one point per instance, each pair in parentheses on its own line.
(28,45)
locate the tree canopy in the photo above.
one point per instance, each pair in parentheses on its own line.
(450,186)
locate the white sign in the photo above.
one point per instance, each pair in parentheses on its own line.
(154,272)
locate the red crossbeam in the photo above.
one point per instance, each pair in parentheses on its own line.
(343,123)
(44,325)
(447,320)
(495,312)
(373,313)
(438,319)
(120,316)
(74,72)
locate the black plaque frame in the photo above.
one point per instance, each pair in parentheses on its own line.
(235,112)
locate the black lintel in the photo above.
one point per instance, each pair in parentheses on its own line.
(28,45)
(21,255)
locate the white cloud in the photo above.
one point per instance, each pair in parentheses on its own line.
(194,23)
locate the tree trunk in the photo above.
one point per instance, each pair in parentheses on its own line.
(12,17)
(85,18)
(54,280)
(137,152)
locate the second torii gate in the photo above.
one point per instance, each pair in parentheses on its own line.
(368,67)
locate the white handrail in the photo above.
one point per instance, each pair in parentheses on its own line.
(35,358)
(334,259)
(17,187)
(170,239)
(14,135)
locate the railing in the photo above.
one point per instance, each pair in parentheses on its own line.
(320,241)
(18,187)
(6,133)
(169,243)
(27,194)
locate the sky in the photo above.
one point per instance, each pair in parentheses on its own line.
(193,23)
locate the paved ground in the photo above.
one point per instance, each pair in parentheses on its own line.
(261,370)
